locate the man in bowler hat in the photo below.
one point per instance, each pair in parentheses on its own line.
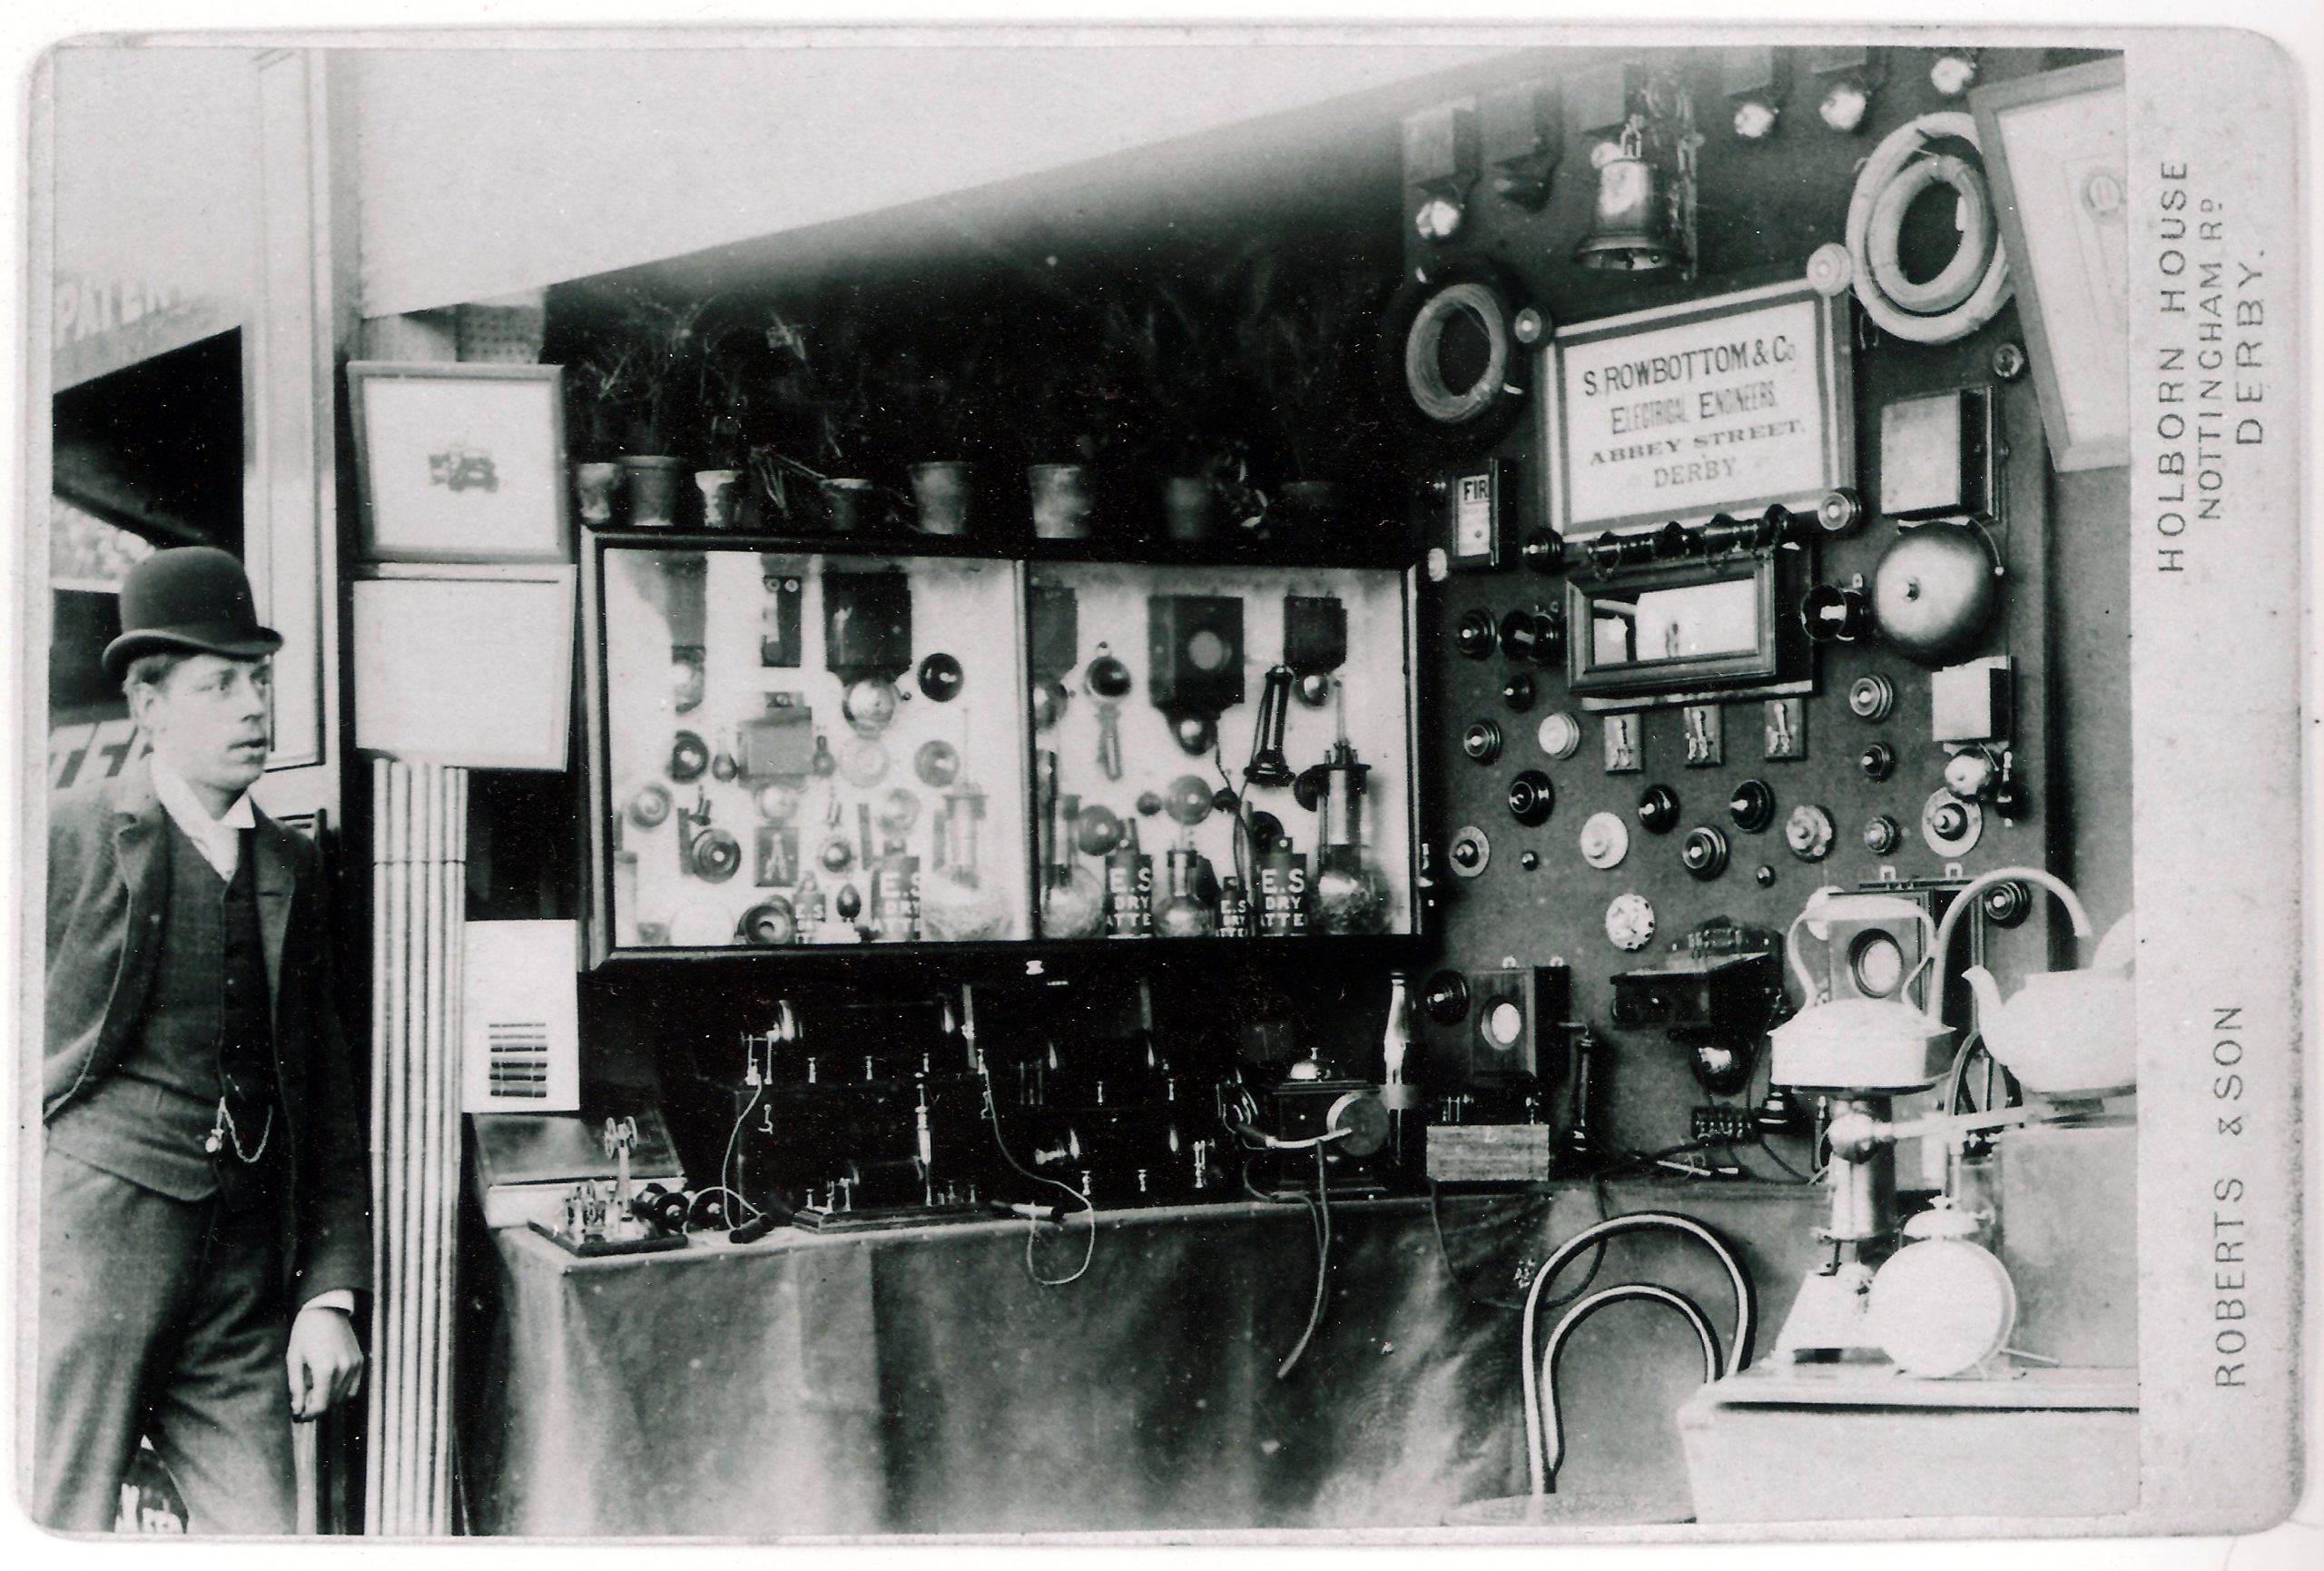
(205,1226)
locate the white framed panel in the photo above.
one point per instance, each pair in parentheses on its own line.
(467,666)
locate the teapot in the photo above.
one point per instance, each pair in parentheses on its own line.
(2066,1034)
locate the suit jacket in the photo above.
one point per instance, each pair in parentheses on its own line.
(108,882)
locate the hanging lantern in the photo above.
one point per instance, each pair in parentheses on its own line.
(1633,227)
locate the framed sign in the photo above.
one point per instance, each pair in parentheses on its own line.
(460,463)
(2054,147)
(1720,405)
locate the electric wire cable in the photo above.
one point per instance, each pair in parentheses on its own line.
(1775,1157)
(1322,1207)
(1445,1254)
(1032,1224)
(726,1174)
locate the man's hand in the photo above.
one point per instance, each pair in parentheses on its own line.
(326,1363)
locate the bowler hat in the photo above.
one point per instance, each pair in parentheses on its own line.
(192,598)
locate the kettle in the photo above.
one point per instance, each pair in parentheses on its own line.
(2067,1034)
(1866,1044)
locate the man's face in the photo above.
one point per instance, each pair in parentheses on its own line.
(208,720)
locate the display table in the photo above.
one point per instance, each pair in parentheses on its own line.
(921,1381)
(1804,1444)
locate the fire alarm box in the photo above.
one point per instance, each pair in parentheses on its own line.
(1476,505)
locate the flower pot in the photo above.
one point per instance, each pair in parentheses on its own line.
(722,497)
(942,490)
(595,487)
(654,482)
(1310,505)
(847,504)
(1061,501)
(1189,508)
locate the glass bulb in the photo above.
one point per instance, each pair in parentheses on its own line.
(1755,120)
(1844,106)
(1953,74)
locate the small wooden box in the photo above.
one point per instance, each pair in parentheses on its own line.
(1489,1153)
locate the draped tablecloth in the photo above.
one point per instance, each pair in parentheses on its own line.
(921,1381)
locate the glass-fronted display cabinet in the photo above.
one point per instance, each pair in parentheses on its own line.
(790,748)
(793,749)
(1220,751)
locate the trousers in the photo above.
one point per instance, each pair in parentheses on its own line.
(168,1319)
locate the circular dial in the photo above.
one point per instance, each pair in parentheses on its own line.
(1474,635)
(1882,834)
(1808,832)
(1752,806)
(1950,826)
(1877,761)
(1503,1024)
(1605,840)
(1703,853)
(1629,922)
(1446,996)
(1560,735)
(714,855)
(1517,693)
(2006,904)
(1658,809)
(1471,851)
(1871,697)
(1531,798)
(1839,511)
(1877,964)
(1482,740)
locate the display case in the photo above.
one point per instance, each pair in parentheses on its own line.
(795,747)
(1221,751)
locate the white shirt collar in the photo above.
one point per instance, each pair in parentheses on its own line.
(218,839)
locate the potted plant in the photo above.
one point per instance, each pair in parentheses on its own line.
(1057,408)
(597,392)
(726,377)
(1168,350)
(658,348)
(1301,338)
(940,406)
(812,426)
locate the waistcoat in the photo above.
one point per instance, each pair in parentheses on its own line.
(206,1035)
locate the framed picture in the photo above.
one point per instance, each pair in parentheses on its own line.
(2054,149)
(460,463)
(469,665)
